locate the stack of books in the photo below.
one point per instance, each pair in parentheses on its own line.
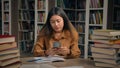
(106,47)
(9,52)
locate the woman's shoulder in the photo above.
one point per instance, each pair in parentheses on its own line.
(41,35)
(71,33)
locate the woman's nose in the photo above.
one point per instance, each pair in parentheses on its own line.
(56,23)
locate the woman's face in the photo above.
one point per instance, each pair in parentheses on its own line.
(57,23)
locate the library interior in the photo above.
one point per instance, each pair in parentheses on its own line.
(96,21)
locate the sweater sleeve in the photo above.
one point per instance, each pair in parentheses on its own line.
(39,47)
(74,49)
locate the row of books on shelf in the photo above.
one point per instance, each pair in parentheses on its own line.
(6,16)
(26,46)
(31,4)
(9,52)
(72,5)
(96,3)
(80,16)
(27,15)
(66,4)
(28,35)
(117,15)
(6,27)
(71,15)
(117,2)
(80,28)
(6,5)
(41,4)
(81,39)
(106,48)
(26,25)
(39,28)
(27,4)
(81,5)
(96,18)
(41,17)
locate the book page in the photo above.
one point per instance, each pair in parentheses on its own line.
(47,59)
(73,67)
(37,66)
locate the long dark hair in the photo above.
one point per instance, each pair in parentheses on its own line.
(47,29)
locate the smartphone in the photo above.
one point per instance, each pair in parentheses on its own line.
(56,44)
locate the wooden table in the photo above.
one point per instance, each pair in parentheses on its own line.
(69,62)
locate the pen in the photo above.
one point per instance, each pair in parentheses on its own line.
(33,60)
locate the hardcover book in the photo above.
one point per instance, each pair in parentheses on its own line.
(13,65)
(106,32)
(7,46)
(101,64)
(9,61)
(109,51)
(100,45)
(104,60)
(8,56)
(107,41)
(9,51)
(102,55)
(6,38)
(102,37)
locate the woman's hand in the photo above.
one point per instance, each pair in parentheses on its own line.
(50,52)
(57,51)
(63,51)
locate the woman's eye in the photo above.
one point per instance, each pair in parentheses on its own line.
(51,21)
(58,20)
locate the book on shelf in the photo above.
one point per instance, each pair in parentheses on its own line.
(106,32)
(80,28)
(7,46)
(6,5)
(41,4)
(6,38)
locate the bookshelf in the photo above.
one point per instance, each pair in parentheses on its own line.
(26,25)
(41,11)
(6,19)
(0,17)
(85,15)
(96,15)
(9,14)
(114,14)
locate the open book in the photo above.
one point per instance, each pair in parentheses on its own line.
(47,59)
(37,66)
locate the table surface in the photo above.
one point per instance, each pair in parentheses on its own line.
(68,62)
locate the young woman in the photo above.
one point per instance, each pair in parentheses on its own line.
(57,28)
